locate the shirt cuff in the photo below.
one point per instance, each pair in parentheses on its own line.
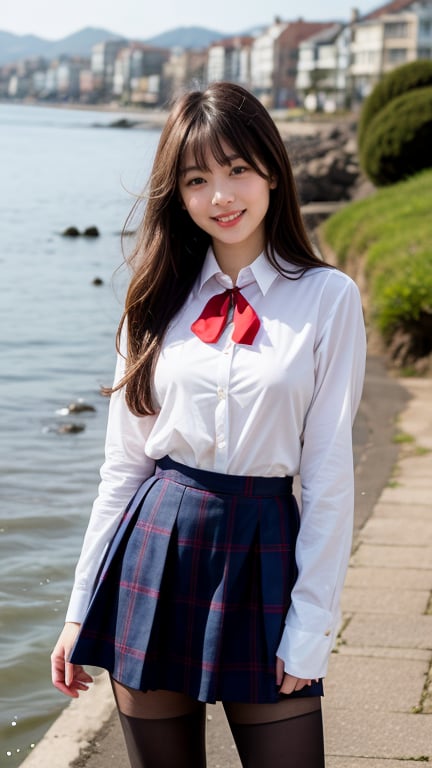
(78,604)
(306,653)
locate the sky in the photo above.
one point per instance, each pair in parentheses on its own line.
(142,19)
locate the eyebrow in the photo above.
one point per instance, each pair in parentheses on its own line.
(229,159)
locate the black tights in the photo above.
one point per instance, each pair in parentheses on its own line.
(167,730)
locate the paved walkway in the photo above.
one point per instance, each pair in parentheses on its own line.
(378,702)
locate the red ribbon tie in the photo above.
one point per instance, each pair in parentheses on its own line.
(210,325)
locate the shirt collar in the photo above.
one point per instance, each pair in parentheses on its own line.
(260,272)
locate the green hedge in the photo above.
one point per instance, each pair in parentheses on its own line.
(416,74)
(391,233)
(402,298)
(398,141)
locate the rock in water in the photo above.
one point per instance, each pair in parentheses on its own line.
(71,232)
(91,232)
(70,429)
(79,406)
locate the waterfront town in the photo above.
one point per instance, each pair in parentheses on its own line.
(327,65)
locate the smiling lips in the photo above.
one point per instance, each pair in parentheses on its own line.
(229,219)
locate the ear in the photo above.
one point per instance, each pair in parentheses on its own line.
(273,182)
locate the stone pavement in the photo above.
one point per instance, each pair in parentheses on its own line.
(378,702)
(378,693)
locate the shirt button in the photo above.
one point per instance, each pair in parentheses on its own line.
(221,393)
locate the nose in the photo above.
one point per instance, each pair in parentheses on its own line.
(222,195)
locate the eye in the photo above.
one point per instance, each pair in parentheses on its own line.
(237,170)
(195,181)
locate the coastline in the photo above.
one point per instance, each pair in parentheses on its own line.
(294,124)
(151,119)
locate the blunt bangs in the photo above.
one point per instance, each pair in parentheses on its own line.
(208,135)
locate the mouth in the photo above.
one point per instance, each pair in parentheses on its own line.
(228,218)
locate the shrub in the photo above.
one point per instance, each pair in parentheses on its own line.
(416,74)
(402,298)
(398,141)
(387,239)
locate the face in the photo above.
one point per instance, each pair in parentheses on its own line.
(229,202)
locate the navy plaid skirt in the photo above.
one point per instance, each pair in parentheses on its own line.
(195,587)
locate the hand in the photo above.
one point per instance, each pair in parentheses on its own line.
(68,678)
(289,683)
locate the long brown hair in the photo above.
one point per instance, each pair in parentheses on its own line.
(170,248)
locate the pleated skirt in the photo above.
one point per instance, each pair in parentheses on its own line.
(194,590)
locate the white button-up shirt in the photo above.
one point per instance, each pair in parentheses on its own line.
(281,406)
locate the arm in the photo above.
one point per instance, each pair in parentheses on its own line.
(125,467)
(327,477)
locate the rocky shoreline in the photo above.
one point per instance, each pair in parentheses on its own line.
(325,161)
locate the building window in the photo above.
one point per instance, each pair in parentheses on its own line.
(396,55)
(425,53)
(366,58)
(396,29)
(425,27)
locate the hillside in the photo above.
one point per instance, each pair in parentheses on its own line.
(15,47)
(186,37)
(384,242)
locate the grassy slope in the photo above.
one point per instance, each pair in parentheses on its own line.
(392,232)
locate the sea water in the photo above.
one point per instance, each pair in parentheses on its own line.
(59,168)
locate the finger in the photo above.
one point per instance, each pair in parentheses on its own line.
(68,691)
(288,684)
(73,688)
(301,683)
(80,686)
(279,670)
(58,678)
(76,674)
(291,684)
(69,673)
(83,676)
(57,669)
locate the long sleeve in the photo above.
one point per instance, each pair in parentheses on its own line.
(125,467)
(327,481)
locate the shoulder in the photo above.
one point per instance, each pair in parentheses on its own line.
(315,277)
(330,283)
(318,281)
(332,297)
(328,275)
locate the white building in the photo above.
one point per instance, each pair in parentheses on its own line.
(103,60)
(322,68)
(230,59)
(264,61)
(394,34)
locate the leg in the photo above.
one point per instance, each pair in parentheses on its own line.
(287,734)
(162,729)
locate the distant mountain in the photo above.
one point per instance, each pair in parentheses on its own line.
(186,37)
(15,47)
(80,43)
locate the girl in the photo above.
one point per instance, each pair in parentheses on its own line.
(240,365)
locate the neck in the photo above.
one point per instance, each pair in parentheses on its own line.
(232,260)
